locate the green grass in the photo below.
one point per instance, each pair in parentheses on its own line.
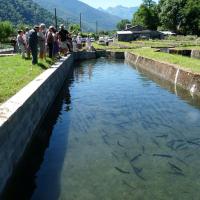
(190,64)
(189,47)
(111,48)
(104,47)
(160,43)
(16,72)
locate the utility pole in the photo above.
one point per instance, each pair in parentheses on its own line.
(67,23)
(80,23)
(35,13)
(56,25)
(96,27)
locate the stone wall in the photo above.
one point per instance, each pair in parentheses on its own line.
(187,80)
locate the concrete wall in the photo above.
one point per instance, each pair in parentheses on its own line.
(195,54)
(116,55)
(187,80)
(184,52)
(22,113)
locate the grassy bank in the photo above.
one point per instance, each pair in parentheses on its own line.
(174,42)
(190,64)
(189,48)
(16,72)
(143,48)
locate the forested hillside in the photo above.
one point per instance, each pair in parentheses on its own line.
(24,12)
(70,10)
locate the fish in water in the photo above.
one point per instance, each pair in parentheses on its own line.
(126,155)
(162,155)
(182,161)
(180,146)
(127,184)
(124,136)
(172,143)
(120,144)
(177,173)
(194,143)
(135,158)
(155,142)
(189,155)
(137,172)
(143,149)
(162,136)
(122,171)
(104,140)
(114,155)
(174,167)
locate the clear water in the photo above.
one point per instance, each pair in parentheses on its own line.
(119,135)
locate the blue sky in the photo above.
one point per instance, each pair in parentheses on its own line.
(108,3)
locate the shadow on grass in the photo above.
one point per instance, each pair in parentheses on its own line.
(43,66)
(46,64)
(50,61)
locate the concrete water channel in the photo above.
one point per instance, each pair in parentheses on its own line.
(114,132)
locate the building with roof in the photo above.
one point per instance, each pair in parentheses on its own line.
(138,32)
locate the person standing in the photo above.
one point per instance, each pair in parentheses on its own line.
(33,44)
(63,34)
(74,44)
(55,45)
(50,41)
(28,52)
(21,43)
(42,41)
(69,42)
(79,41)
(88,43)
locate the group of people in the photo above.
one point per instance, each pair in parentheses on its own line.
(48,41)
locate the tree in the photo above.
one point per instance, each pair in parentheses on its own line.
(171,14)
(147,17)
(74,28)
(149,3)
(6,29)
(122,24)
(191,14)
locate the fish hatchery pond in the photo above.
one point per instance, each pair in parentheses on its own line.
(114,134)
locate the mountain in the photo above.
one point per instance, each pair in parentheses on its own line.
(24,12)
(121,11)
(70,10)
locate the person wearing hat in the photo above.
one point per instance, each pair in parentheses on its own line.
(33,44)
(63,34)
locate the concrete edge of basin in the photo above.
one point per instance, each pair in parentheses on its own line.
(170,72)
(21,114)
